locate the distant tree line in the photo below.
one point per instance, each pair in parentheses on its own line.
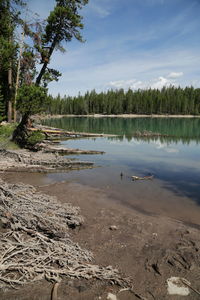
(168,100)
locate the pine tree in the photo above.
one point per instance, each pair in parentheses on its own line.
(63,24)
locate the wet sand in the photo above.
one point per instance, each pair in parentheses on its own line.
(147,248)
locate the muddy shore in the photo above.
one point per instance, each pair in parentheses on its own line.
(148,249)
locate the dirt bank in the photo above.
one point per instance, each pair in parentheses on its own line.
(147,249)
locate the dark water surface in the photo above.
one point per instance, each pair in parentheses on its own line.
(173,160)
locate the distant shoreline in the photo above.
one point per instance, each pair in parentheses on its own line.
(42,117)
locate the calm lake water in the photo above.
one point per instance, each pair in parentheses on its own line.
(173,160)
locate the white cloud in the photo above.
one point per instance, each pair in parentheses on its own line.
(161,82)
(175,74)
(125,84)
(134,84)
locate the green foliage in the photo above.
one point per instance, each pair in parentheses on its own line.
(64,21)
(7,130)
(35,137)
(31,99)
(169,100)
(50,75)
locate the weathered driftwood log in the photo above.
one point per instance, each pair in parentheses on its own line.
(50,131)
(142,178)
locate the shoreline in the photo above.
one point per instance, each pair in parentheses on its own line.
(44,117)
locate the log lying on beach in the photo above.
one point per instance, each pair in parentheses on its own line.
(35,241)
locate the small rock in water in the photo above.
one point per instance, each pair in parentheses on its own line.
(111,296)
(113,227)
(175,286)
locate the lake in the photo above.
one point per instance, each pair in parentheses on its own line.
(173,159)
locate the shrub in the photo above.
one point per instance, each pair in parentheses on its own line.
(7,130)
(35,137)
(31,99)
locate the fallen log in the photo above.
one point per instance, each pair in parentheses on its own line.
(142,178)
(60,132)
(50,131)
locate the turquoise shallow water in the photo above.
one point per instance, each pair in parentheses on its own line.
(174,161)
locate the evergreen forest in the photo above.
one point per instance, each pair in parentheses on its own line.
(169,100)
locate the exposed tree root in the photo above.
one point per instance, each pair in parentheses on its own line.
(37,243)
(54,293)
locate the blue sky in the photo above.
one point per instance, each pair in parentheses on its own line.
(130,44)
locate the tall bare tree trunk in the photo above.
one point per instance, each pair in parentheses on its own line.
(17,79)
(10,74)
(9,114)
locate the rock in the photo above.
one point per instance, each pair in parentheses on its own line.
(111,296)
(175,286)
(113,227)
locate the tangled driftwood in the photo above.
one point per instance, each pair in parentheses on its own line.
(23,160)
(36,243)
